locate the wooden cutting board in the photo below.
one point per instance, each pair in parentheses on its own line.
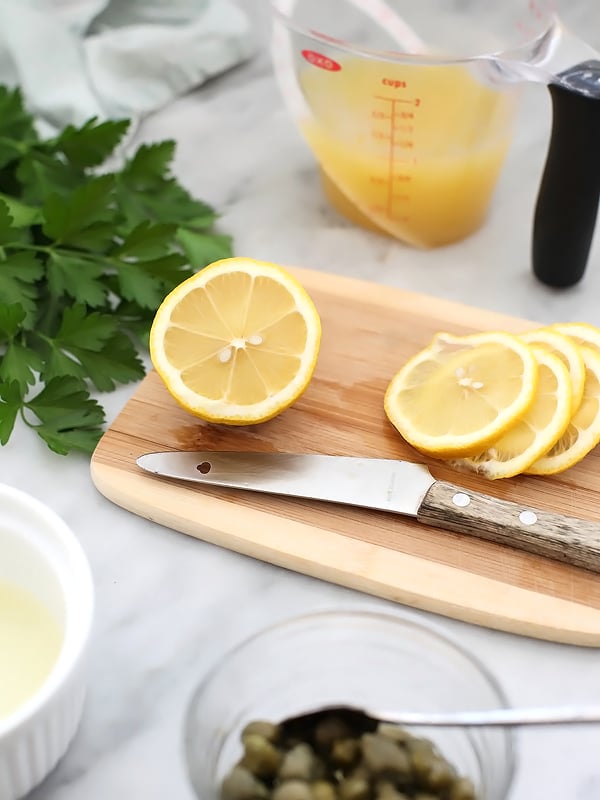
(369,330)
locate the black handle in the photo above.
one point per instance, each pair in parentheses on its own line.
(567,203)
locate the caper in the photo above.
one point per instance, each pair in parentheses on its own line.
(345,752)
(422,756)
(336,756)
(329,730)
(462,789)
(241,784)
(323,790)
(385,790)
(440,774)
(354,788)
(419,744)
(394,732)
(260,727)
(292,790)
(300,762)
(260,756)
(383,756)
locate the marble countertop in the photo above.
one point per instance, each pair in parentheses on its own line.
(168,605)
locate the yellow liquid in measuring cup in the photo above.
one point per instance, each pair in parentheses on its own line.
(411,150)
(30,642)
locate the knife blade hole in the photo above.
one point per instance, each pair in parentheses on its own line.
(204,467)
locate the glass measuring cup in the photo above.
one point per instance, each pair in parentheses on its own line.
(410,134)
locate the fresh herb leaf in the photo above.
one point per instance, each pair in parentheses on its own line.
(84,329)
(68,217)
(22,215)
(69,418)
(147,240)
(116,363)
(90,345)
(19,276)
(65,402)
(11,399)
(8,231)
(93,143)
(76,276)
(203,248)
(17,129)
(85,260)
(11,317)
(40,175)
(147,191)
(64,440)
(20,363)
(143,282)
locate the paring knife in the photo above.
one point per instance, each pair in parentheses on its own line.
(400,487)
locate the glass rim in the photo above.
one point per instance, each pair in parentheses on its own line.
(531,44)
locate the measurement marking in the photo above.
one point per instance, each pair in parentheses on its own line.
(391,163)
(397,159)
(399,138)
(414,101)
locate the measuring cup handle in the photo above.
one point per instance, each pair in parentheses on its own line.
(567,203)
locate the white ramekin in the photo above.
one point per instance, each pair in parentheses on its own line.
(41,554)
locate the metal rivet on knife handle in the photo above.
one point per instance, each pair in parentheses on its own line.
(461,499)
(567,539)
(528,517)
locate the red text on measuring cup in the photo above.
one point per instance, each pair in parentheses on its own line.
(321,61)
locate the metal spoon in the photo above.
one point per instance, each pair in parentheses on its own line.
(367,721)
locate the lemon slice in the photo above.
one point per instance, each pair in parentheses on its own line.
(583,431)
(563,346)
(236,343)
(579,332)
(536,431)
(460,394)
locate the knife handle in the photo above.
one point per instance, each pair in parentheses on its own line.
(567,539)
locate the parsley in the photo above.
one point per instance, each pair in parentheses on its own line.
(86,257)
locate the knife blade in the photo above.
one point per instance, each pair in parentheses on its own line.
(400,487)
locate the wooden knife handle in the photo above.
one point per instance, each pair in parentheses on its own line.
(567,539)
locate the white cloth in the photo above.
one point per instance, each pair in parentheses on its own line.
(75,59)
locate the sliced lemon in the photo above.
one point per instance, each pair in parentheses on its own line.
(536,431)
(460,393)
(579,332)
(583,431)
(236,343)
(561,345)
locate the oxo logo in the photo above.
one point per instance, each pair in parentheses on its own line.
(321,61)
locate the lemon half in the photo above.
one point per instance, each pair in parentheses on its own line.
(237,343)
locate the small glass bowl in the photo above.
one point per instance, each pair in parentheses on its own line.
(364,659)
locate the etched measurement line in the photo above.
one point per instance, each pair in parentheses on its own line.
(394,127)
(413,101)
